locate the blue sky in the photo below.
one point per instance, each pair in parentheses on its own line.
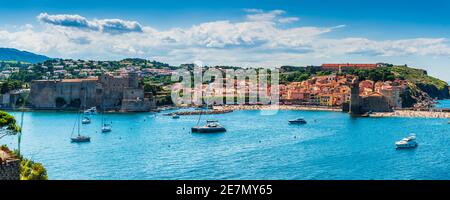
(247,32)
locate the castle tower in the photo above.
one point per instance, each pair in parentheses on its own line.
(355,100)
(133,80)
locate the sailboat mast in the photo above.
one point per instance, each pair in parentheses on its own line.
(81,110)
(78,122)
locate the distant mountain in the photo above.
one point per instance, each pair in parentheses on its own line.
(9,54)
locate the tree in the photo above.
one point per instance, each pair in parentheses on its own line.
(8,125)
(30,170)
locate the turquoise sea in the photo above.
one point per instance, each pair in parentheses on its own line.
(443,104)
(332,145)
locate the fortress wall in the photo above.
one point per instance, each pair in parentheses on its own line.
(10,170)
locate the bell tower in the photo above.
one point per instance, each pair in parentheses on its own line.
(355,100)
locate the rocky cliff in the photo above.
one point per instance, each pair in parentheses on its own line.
(422,88)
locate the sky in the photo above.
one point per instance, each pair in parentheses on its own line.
(247,33)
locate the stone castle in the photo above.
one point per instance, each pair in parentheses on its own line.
(107,92)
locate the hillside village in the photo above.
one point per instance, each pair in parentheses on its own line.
(324,85)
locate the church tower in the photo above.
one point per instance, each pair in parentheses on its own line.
(355,100)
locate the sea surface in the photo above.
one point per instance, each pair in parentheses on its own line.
(443,103)
(332,145)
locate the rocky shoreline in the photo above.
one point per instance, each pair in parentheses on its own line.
(411,113)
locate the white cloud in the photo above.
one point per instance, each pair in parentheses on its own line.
(104,25)
(288,20)
(259,40)
(264,16)
(253,10)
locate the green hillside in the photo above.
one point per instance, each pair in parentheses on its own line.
(432,86)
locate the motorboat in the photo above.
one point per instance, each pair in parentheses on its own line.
(80,139)
(86,120)
(297,121)
(407,142)
(212,126)
(175,116)
(106,128)
(91,111)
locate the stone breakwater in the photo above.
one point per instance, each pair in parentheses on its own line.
(411,113)
(280,107)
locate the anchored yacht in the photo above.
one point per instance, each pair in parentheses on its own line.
(212,126)
(408,142)
(91,111)
(86,120)
(297,121)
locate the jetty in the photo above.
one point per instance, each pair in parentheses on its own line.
(200,112)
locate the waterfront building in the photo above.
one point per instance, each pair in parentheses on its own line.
(366,87)
(392,93)
(346,66)
(13,98)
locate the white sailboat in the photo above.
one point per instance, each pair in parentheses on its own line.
(79,138)
(86,120)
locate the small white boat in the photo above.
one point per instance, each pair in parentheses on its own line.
(106,128)
(91,111)
(86,120)
(408,142)
(175,116)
